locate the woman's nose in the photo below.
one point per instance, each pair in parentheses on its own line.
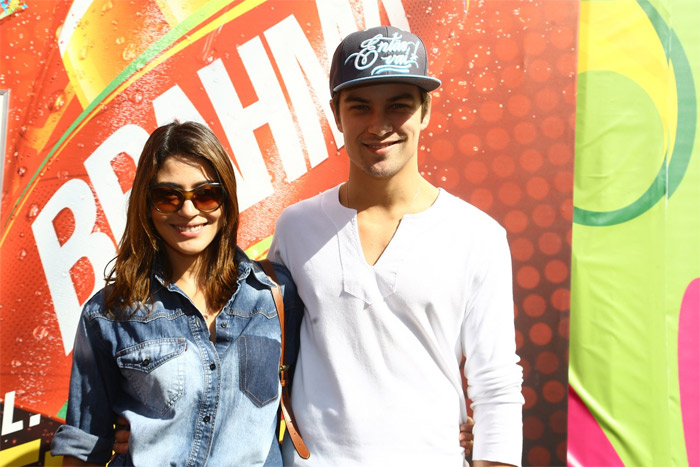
(188,209)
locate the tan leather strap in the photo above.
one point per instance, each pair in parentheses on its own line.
(285,403)
(291,425)
(279,304)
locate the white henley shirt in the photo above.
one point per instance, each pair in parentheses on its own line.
(377,381)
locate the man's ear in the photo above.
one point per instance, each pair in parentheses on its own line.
(426,115)
(336,116)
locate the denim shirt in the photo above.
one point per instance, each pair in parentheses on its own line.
(189,401)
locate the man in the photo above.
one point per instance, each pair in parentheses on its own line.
(399,279)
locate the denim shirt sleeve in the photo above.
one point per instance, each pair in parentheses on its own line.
(293,313)
(88,432)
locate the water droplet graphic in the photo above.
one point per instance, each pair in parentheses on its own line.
(57,101)
(106,6)
(84,50)
(32,212)
(129,52)
(40,332)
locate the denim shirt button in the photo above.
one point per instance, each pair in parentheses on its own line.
(207,418)
(212,366)
(224,325)
(146,362)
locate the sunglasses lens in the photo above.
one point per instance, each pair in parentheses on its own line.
(166,199)
(208,198)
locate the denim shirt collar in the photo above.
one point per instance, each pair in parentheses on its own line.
(245,267)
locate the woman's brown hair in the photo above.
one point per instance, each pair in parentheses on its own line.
(130,280)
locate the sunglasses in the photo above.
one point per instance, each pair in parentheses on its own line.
(168,199)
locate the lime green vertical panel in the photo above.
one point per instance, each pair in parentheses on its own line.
(636,237)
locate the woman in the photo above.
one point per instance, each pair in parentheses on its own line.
(184,341)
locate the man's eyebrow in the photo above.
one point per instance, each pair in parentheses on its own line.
(352,98)
(402,96)
(398,97)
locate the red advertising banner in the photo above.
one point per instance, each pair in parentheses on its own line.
(89,80)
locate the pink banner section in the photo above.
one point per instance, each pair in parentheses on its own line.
(689,369)
(588,444)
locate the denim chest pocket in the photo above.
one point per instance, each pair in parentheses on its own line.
(155,371)
(259,358)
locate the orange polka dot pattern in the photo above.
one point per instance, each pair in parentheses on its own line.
(501,137)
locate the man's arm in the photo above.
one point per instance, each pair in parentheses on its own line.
(121,436)
(69,461)
(493,376)
(489,463)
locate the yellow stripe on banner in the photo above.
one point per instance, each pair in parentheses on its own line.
(177,12)
(617,36)
(229,16)
(51,461)
(260,249)
(24,454)
(283,428)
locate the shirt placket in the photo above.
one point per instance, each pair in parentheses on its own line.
(206,417)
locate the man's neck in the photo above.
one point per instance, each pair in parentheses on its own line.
(381,208)
(395,196)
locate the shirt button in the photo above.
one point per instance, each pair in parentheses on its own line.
(146,362)
(207,418)
(224,325)
(212,366)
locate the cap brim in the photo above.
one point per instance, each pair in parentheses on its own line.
(424,82)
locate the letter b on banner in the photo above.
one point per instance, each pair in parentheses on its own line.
(57,260)
(97,247)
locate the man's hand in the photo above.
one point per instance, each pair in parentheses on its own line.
(466,437)
(121,436)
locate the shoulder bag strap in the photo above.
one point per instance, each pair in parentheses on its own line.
(285,403)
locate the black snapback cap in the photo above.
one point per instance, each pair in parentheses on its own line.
(381,54)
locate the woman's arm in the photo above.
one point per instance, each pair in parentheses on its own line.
(88,430)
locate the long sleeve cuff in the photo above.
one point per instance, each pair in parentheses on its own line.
(74,442)
(498,433)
